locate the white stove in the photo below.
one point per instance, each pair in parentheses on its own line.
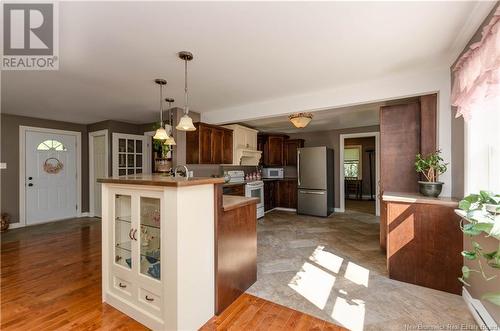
(253,189)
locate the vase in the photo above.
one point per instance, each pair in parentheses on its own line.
(430,189)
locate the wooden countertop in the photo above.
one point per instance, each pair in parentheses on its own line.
(160,180)
(230,202)
(417,198)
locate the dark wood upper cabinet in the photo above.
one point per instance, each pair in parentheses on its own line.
(227,147)
(209,144)
(217,147)
(272,147)
(290,151)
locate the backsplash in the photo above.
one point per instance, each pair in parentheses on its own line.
(209,170)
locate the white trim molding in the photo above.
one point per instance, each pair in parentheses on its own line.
(479,312)
(22,169)
(92,135)
(377,167)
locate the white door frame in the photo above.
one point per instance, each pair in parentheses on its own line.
(377,167)
(92,135)
(22,169)
(148,153)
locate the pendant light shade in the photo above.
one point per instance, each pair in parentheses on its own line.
(161,133)
(170,140)
(300,120)
(186,122)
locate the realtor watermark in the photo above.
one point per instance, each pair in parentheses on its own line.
(30,36)
(449,326)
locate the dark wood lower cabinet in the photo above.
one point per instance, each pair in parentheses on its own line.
(235,190)
(280,193)
(424,244)
(235,251)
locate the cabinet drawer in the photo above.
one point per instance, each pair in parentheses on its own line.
(122,287)
(150,300)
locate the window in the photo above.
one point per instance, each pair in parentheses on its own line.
(352,162)
(51,145)
(127,154)
(483,151)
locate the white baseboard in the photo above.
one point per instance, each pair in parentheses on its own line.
(481,315)
(338,210)
(86,214)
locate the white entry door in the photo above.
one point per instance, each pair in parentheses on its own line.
(51,178)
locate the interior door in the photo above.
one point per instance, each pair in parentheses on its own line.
(50,183)
(128,154)
(100,171)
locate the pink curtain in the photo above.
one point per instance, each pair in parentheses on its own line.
(477,73)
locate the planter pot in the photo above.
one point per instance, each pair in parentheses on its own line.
(430,189)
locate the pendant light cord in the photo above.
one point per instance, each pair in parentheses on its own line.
(186,108)
(161,105)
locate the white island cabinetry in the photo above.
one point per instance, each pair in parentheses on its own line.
(158,249)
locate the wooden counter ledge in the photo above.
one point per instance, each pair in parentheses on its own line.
(160,180)
(418,198)
(230,202)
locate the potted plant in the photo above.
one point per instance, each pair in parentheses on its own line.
(482,215)
(431,167)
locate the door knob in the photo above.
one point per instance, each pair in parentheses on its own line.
(30,178)
(30,184)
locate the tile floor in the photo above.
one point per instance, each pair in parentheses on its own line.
(332,268)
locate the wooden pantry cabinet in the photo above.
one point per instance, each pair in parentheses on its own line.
(209,144)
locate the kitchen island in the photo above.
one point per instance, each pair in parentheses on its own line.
(160,248)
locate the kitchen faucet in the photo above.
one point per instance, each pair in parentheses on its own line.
(186,171)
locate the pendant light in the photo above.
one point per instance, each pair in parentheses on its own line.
(300,120)
(170,140)
(161,134)
(185,123)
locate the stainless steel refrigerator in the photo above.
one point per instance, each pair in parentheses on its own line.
(315,181)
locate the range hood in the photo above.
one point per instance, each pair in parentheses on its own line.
(248,156)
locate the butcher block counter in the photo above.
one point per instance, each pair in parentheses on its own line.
(422,239)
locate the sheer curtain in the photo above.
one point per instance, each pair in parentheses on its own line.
(476,94)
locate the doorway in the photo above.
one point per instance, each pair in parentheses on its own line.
(98,168)
(359,172)
(49,175)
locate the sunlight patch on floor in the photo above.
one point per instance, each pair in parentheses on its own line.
(314,284)
(357,274)
(327,260)
(350,314)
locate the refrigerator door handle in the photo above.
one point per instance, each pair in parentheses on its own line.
(312,192)
(298,166)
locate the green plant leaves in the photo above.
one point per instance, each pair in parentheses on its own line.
(492,297)
(465,272)
(469,255)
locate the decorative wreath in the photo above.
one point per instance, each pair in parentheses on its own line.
(51,167)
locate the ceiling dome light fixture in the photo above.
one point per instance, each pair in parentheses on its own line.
(170,140)
(300,120)
(161,134)
(185,123)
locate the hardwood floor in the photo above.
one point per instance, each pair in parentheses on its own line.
(51,279)
(252,313)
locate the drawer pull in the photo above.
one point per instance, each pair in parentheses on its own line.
(149,299)
(133,234)
(122,285)
(130,234)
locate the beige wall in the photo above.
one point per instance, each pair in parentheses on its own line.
(10,154)
(331,139)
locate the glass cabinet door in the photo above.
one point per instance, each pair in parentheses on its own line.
(123,230)
(149,234)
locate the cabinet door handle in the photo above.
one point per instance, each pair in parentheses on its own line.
(133,234)
(149,299)
(122,285)
(130,234)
